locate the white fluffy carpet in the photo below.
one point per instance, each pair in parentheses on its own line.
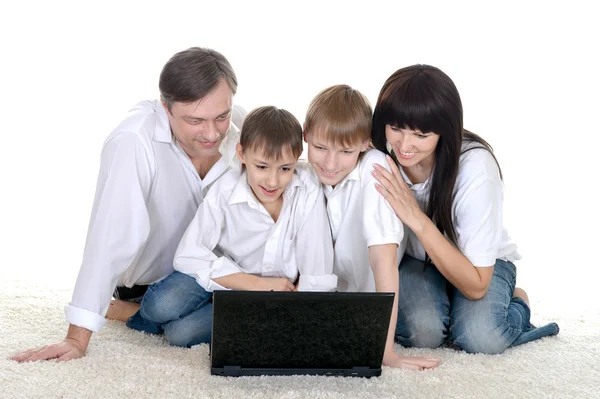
(121,363)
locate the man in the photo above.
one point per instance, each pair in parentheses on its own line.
(156,167)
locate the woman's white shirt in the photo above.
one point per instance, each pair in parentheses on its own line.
(476,210)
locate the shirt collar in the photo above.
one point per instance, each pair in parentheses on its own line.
(354,175)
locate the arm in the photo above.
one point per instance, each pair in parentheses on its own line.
(470,280)
(118,229)
(196,258)
(384,262)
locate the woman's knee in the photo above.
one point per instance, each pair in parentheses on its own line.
(487,335)
(422,329)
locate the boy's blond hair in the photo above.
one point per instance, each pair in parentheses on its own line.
(340,114)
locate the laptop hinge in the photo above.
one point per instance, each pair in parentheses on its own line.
(232,370)
(359,371)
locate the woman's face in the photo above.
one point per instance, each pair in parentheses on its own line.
(411,147)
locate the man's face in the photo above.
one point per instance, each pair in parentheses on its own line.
(201,126)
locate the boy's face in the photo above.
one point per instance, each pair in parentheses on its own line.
(267,178)
(332,162)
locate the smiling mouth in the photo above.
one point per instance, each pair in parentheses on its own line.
(328,174)
(406,155)
(268,192)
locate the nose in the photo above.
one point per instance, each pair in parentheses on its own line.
(272,179)
(405,142)
(331,161)
(212,133)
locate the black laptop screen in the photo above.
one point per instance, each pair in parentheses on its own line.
(299,329)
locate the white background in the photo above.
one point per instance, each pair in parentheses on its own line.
(527,73)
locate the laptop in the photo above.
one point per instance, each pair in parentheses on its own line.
(307,333)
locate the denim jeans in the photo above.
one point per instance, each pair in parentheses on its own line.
(431,311)
(178,307)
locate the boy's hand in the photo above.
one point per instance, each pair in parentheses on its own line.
(274,284)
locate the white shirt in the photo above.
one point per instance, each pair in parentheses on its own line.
(244,237)
(360,217)
(147,193)
(476,210)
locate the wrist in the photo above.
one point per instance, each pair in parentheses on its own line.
(418,223)
(79,336)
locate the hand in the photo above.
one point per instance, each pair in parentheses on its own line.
(69,349)
(397,193)
(274,284)
(392,359)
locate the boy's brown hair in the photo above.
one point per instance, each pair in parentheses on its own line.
(340,114)
(272,131)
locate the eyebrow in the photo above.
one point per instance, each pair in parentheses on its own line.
(260,161)
(202,119)
(319,144)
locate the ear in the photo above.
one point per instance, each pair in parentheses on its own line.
(165,106)
(304,132)
(239,150)
(365,145)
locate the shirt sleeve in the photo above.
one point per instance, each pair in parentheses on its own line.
(119,227)
(479,223)
(195,255)
(380,223)
(314,248)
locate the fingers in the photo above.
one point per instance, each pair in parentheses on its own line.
(384,181)
(424,362)
(20,357)
(289,286)
(44,353)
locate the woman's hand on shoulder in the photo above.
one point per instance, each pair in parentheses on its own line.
(397,193)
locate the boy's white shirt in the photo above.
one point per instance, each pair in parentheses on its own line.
(359,218)
(232,232)
(476,211)
(147,193)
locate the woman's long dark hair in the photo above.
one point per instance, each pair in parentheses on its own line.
(422,97)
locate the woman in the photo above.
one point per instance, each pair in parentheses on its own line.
(457,279)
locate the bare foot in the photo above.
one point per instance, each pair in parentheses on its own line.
(392,359)
(520,292)
(121,310)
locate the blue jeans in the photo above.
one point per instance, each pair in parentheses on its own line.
(431,311)
(178,307)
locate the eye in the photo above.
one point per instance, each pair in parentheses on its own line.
(193,121)
(421,135)
(261,167)
(394,128)
(319,147)
(348,152)
(223,117)
(286,168)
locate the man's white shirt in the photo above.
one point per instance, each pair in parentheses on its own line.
(360,217)
(232,233)
(147,193)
